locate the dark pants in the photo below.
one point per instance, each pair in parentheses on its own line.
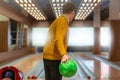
(52,69)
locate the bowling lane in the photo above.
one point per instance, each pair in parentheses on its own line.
(15,61)
(89,68)
(33,65)
(29,65)
(103,70)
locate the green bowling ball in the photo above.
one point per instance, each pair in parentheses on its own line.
(68,69)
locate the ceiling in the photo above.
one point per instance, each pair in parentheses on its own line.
(47,9)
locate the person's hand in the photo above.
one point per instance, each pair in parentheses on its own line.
(65,58)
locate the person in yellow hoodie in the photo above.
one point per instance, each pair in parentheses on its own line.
(55,48)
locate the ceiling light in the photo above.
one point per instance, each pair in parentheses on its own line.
(57,6)
(90,0)
(29,5)
(86,10)
(28,11)
(30,8)
(92,4)
(92,8)
(85,0)
(95,1)
(81,8)
(66,0)
(57,0)
(36,8)
(85,7)
(54,4)
(17,1)
(83,4)
(34,13)
(95,4)
(29,1)
(25,1)
(59,11)
(20,1)
(55,10)
(61,0)
(87,4)
(53,0)
(38,11)
(25,5)
(25,8)
(99,1)
(33,5)
(89,7)
(21,5)
(31,13)
(56,13)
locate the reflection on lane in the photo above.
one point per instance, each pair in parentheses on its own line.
(104,70)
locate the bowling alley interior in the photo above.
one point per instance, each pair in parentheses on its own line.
(94,38)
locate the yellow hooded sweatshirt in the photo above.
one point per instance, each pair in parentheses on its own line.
(57,38)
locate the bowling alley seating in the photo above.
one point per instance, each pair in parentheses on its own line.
(11,72)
